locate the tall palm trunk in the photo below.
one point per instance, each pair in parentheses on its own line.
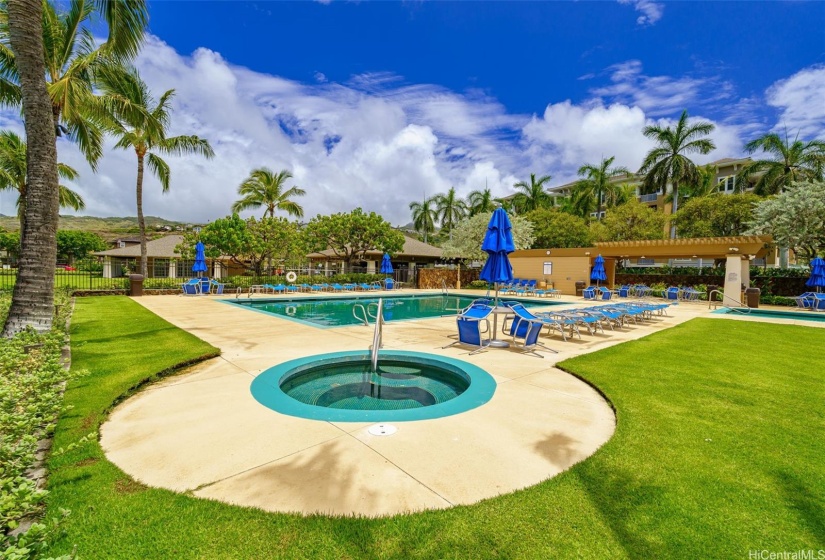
(33,299)
(674,209)
(141,221)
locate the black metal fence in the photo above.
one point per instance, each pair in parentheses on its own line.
(88,276)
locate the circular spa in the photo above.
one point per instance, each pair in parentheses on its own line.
(343,387)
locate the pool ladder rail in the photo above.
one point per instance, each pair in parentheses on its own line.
(737,306)
(377,336)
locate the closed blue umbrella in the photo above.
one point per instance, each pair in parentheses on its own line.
(498,242)
(386,265)
(200,259)
(598,274)
(817,279)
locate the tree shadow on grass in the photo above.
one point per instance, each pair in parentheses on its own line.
(625,503)
(808,506)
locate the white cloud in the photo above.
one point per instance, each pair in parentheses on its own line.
(651,11)
(379,142)
(801,100)
(660,95)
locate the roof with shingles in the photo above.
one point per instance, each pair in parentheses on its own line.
(412,248)
(161,248)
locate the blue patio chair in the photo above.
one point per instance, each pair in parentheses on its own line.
(389,283)
(350,287)
(217,287)
(337,287)
(278,289)
(672,293)
(525,329)
(624,291)
(606,294)
(192,287)
(469,324)
(293,288)
(589,292)
(206,285)
(818,301)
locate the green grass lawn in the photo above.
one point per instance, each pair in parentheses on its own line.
(718,451)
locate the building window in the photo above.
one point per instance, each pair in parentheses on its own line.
(727,184)
(183,269)
(160,268)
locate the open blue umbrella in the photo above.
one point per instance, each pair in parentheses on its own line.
(200,259)
(598,274)
(817,279)
(498,242)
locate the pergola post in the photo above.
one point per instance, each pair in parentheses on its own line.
(735,270)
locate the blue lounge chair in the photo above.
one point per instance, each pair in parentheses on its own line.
(818,302)
(389,284)
(350,287)
(337,288)
(469,324)
(216,287)
(589,293)
(293,288)
(672,293)
(606,293)
(192,287)
(525,330)
(624,291)
(277,289)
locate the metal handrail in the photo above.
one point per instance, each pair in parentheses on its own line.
(444,289)
(377,341)
(736,309)
(364,316)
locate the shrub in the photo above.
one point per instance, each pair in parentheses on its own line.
(31,382)
(479,285)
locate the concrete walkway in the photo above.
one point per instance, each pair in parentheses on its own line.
(203,432)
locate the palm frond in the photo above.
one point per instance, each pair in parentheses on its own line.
(67,172)
(182,145)
(70,199)
(127,20)
(160,169)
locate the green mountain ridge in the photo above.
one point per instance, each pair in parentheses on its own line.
(108,228)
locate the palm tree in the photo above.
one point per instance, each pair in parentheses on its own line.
(667,164)
(72,55)
(704,186)
(797,161)
(144,131)
(532,195)
(596,184)
(449,209)
(33,298)
(265,188)
(13,175)
(480,202)
(424,216)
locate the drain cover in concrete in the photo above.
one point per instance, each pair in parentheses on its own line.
(382,430)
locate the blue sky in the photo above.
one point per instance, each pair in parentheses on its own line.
(380,103)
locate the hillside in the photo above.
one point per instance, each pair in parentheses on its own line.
(108,228)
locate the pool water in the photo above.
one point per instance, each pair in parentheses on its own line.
(337,311)
(813,316)
(340,387)
(397,385)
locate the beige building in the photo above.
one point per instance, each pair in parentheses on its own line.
(163,260)
(563,268)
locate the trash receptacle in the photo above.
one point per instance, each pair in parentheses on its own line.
(752,297)
(714,288)
(580,288)
(135,285)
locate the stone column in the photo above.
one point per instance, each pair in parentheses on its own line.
(173,268)
(107,267)
(370,267)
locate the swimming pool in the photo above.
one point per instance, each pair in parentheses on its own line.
(337,311)
(813,316)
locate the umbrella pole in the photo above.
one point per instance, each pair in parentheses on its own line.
(495,342)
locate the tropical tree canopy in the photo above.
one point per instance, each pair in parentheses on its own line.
(449,209)
(596,189)
(72,55)
(13,175)
(668,164)
(795,218)
(532,194)
(481,201)
(75,244)
(266,189)
(424,216)
(554,228)
(140,123)
(629,222)
(716,216)
(248,243)
(351,235)
(788,162)
(469,235)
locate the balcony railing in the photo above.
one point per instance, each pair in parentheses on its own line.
(648,197)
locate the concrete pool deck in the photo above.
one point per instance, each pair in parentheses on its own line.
(203,433)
